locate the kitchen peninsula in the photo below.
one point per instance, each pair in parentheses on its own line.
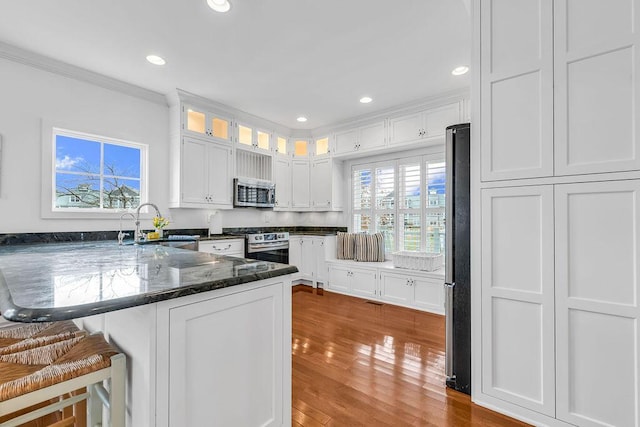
(205,335)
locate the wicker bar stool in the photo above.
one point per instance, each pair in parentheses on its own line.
(44,365)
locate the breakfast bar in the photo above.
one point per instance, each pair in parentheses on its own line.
(205,335)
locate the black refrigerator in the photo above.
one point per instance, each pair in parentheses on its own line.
(458,259)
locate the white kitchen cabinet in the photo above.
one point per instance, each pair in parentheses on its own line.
(321,147)
(358,281)
(425,124)
(201,122)
(327,183)
(207,369)
(363,138)
(412,289)
(308,254)
(300,184)
(283,182)
(295,253)
(205,175)
(395,288)
(252,137)
(597,286)
(518,358)
(517,87)
(596,87)
(229,247)
(363,282)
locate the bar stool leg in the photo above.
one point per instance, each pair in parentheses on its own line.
(117,392)
(94,407)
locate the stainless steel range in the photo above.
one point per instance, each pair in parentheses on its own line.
(272,247)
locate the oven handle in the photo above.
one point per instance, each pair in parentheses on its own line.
(266,247)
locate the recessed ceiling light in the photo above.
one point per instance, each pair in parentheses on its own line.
(365,100)
(458,71)
(301,119)
(156,60)
(219,5)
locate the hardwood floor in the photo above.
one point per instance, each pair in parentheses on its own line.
(361,364)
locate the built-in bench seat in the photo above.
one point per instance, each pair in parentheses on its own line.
(381,281)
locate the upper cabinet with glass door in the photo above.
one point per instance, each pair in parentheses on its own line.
(199,122)
(301,147)
(321,147)
(254,138)
(281,146)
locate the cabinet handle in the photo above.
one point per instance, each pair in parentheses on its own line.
(222,249)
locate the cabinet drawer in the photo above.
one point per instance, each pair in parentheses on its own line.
(223,247)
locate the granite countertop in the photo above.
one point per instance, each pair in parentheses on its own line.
(50,282)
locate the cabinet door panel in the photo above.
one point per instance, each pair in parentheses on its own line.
(339,279)
(363,282)
(371,136)
(405,128)
(517,87)
(321,183)
(195,178)
(220,173)
(345,142)
(199,362)
(516,33)
(300,184)
(283,178)
(597,242)
(518,354)
(308,259)
(295,252)
(438,119)
(395,288)
(596,88)
(428,295)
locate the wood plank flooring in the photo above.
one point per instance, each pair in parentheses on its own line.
(362,364)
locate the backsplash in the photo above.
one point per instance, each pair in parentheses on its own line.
(81,236)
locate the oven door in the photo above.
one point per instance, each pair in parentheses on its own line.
(273,252)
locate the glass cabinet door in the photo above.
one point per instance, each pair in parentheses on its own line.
(301,148)
(245,135)
(322,146)
(196,121)
(263,140)
(202,122)
(281,146)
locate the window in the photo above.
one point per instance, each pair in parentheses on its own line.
(96,173)
(388,197)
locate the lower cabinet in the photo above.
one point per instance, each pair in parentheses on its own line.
(409,288)
(355,281)
(308,253)
(215,371)
(229,247)
(412,290)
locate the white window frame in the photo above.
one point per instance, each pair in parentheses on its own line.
(48,193)
(396,159)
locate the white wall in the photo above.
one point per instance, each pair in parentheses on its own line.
(30,95)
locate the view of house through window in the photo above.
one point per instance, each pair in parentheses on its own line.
(96,172)
(403,199)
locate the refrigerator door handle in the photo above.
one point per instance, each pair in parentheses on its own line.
(448,311)
(448,214)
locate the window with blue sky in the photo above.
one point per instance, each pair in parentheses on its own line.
(97,172)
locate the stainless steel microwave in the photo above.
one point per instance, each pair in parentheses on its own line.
(254,192)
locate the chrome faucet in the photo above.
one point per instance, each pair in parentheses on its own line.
(122,235)
(136,237)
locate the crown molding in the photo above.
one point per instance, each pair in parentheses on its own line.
(51,65)
(398,110)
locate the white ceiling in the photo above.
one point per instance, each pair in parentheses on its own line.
(276,59)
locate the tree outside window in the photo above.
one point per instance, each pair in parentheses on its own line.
(96,172)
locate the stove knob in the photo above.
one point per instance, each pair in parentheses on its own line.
(258,237)
(280,236)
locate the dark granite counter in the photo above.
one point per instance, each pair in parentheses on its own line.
(58,281)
